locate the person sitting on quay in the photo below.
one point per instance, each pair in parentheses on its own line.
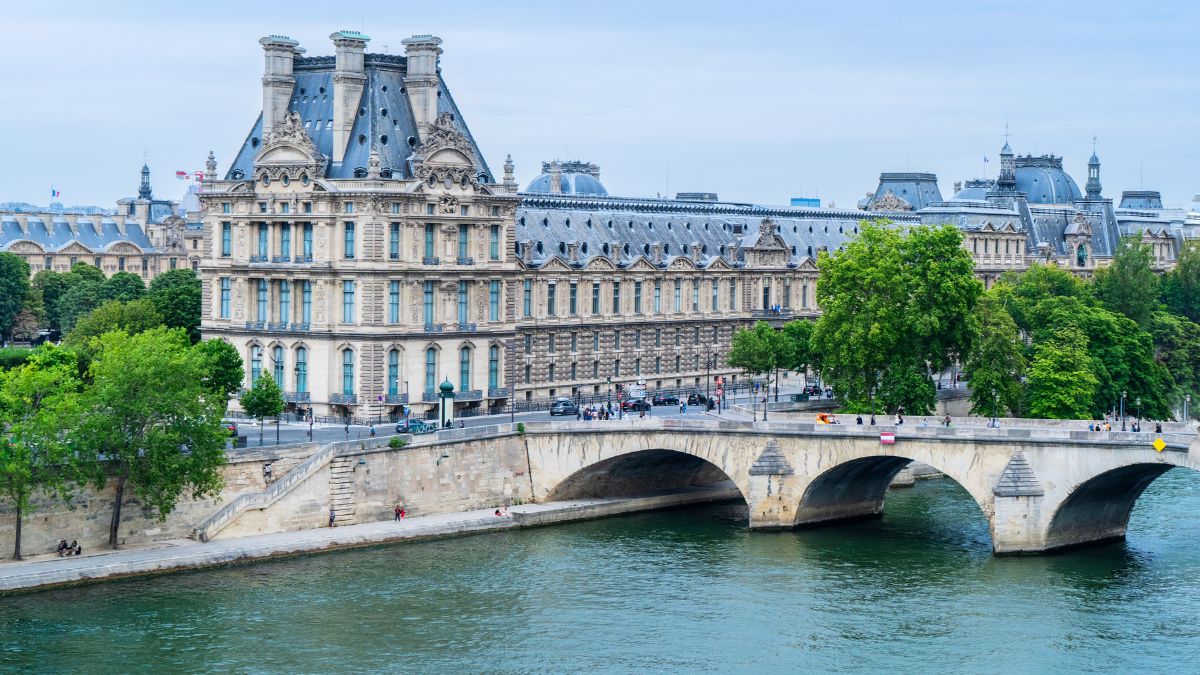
(946,422)
(62,548)
(74,548)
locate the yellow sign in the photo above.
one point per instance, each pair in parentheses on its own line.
(1159,444)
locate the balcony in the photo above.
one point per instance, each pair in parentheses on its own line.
(783,313)
(343,399)
(435,327)
(281,259)
(468,395)
(430,396)
(297,396)
(256,325)
(300,327)
(431,261)
(465,261)
(466,328)
(303,259)
(259,258)
(396,398)
(277,327)
(499,392)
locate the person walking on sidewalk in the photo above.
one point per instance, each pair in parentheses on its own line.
(398,511)
(332,515)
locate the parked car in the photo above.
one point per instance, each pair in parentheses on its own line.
(563,406)
(665,399)
(232,428)
(697,399)
(414,426)
(635,404)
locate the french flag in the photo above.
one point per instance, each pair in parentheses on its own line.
(54,193)
(181,175)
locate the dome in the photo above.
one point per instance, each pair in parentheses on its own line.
(446,386)
(974,191)
(1044,181)
(574,178)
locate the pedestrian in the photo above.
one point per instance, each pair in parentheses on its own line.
(397,511)
(62,547)
(497,512)
(461,424)
(372,430)
(403,512)
(332,515)
(858,420)
(946,422)
(75,548)
(872,419)
(1091,426)
(1158,427)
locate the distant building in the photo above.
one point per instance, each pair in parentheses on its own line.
(806,202)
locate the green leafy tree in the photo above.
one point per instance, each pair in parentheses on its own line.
(14,289)
(124,286)
(995,362)
(1020,292)
(223,367)
(149,417)
(1177,348)
(81,297)
(84,272)
(1061,382)
(1129,285)
(38,407)
(797,345)
(135,316)
(176,294)
(263,400)
(49,287)
(1181,286)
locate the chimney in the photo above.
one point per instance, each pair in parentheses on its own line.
(349,78)
(555,178)
(421,79)
(280,52)
(656,252)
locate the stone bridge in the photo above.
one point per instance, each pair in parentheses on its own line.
(1040,487)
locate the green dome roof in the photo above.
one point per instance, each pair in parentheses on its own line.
(446,386)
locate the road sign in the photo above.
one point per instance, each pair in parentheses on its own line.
(887,438)
(1159,444)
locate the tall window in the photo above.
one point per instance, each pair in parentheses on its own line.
(551,343)
(595,297)
(277,364)
(262,300)
(285,300)
(637,297)
(226,240)
(394,242)
(348,371)
(716,302)
(393,302)
(678,295)
(430,233)
(574,298)
(733,303)
(527,301)
(263,245)
(430,370)
(617,368)
(550,373)
(427,305)
(494,243)
(616,339)
(658,296)
(225,291)
(493,300)
(348,241)
(463,297)
(301,369)
(695,295)
(493,367)
(393,383)
(804,295)
(464,369)
(464,240)
(347,301)
(551,298)
(306,302)
(616,306)
(574,342)
(256,355)
(308,239)
(285,240)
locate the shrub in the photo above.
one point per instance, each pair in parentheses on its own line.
(521,428)
(397,442)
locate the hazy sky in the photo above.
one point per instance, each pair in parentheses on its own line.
(757,101)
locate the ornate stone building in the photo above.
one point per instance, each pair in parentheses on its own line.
(143,235)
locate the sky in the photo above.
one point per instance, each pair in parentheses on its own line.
(756,101)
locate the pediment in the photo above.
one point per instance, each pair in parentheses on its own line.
(124,247)
(75,248)
(806,264)
(555,264)
(718,263)
(681,263)
(283,154)
(601,262)
(1009,227)
(25,246)
(642,264)
(449,156)
(987,227)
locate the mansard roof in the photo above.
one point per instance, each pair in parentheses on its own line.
(52,234)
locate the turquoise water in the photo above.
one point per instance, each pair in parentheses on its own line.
(688,590)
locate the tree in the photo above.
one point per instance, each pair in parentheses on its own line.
(1177,348)
(797,344)
(263,400)
(1061,383)
(14,288)
(223,367)
(1129,285)
(1181,286)
(1021,292)
(38,406)
(149,417)
(176,294)
(135,316)
(81,297)
(49,286)
(995,363)
(81,272)
(124,286)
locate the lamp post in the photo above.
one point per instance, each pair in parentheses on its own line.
(512,382)
(609,382)
(767,395)
(995,405)
(1122,410)
(1187,401)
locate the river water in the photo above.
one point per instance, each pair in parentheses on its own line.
(688,590)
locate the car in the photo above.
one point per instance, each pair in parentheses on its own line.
(665,399)
(563,406)
(697,399)
(414,426)
(232,428)
(635,404)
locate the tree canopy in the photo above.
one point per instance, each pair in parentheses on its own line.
(1061,384)
(177,295)
(1181,286)
(1129,285)
(14,289)
(995,363)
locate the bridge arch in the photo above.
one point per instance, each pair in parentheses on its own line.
(640,472)
(1098,509)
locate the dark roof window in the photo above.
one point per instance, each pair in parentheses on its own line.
(383,112)
(362,138)
(383,139)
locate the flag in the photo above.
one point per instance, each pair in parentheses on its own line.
(199,175)
(54,193)
(985,159)
(181,175)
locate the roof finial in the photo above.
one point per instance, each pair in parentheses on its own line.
(210,167)
(509,180)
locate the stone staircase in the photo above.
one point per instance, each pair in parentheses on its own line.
(341,490)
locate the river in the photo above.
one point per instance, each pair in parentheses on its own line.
(688,590)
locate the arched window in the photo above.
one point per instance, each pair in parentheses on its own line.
(301,369)
(493,367)
(464,369)
(393,383)
(256,354)
(430,370)
(277,365)
(348,371)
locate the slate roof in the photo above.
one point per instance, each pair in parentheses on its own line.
(384,123)
(1043,180)
(52,235)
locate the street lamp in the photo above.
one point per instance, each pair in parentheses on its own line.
(995,405)
(1138,402)
(1187,400)
(1122,410)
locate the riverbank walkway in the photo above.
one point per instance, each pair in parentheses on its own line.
(45,572)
